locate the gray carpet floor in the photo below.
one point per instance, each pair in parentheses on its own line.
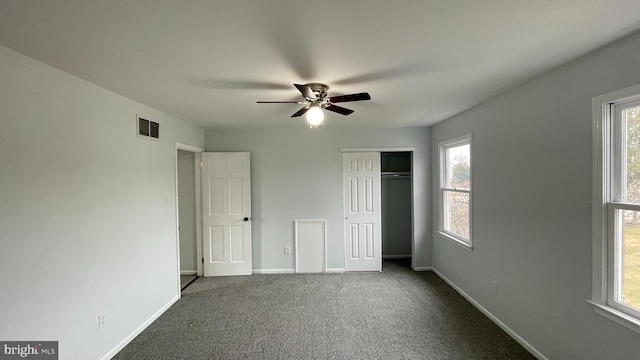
(395,314)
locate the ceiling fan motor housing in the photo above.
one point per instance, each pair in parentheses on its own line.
(320,90)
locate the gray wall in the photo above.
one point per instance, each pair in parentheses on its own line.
(187,210)
(532,198)
(84,228)
(296,173)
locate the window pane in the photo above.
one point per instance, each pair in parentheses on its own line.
(631,117)
(457,213)
(629,276)
(458,166)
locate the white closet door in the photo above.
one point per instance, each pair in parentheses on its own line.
(362,233)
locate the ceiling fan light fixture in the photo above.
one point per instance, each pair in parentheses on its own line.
(315,116)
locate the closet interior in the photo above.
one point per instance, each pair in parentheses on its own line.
(396,189)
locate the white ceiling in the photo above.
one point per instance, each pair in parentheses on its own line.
(207,62)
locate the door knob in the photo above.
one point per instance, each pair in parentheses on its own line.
(246,219)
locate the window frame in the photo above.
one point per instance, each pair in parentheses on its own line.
(444,189)
(608,185)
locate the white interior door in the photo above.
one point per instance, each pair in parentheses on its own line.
(226,215)
(363,243)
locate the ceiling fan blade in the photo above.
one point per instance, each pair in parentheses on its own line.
(338,109)
(301,111)
(306,91)
(280,102)
(240,84)
(351,97)
(392,73)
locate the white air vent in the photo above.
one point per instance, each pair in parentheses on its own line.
(148,129)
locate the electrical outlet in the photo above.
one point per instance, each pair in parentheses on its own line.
(287,250)
(495,287)
(102,320)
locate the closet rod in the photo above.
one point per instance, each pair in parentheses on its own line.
(395,174)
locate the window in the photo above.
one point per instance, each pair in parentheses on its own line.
(616,283)
(455,190)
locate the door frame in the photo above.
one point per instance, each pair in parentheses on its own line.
(412,150)
(196,151)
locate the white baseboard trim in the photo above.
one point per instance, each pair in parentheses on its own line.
(140,329)
(273,271)
(188,272)
(396,256)
(334,271)
(423,268)
(493,318)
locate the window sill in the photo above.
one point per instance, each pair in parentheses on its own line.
(464,244)
(619,317)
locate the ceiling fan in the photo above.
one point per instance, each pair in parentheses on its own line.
(315,99)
